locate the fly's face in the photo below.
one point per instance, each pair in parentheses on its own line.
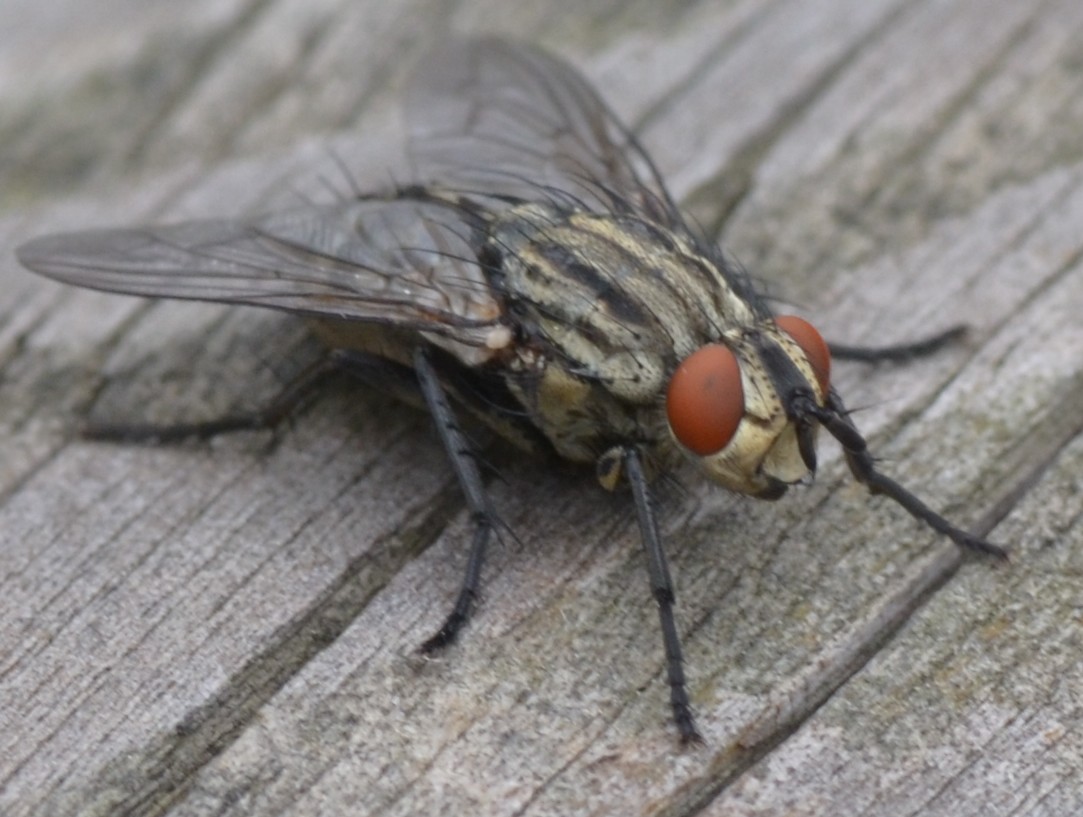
(736,407)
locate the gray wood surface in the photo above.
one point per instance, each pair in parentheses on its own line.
(230,628)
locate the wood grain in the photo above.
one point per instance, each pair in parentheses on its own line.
(230,628)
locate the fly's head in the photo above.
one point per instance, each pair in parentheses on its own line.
(744,408)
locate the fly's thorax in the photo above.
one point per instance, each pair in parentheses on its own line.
(603,306)
(729,405)
(618,299)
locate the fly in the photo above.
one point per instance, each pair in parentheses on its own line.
(537,277)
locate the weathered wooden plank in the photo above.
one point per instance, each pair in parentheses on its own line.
(231,627)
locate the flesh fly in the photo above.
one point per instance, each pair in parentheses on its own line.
(536,276)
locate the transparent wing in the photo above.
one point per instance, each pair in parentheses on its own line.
(494,117)
(399,261)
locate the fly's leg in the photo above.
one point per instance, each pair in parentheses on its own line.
(662,590)
(863,466)
(284,403)
(900,352)
(833,417)
(469,477)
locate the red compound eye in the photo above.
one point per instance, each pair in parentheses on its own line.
(705,401)
(812,344)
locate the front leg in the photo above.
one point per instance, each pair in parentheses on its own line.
(835,420)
